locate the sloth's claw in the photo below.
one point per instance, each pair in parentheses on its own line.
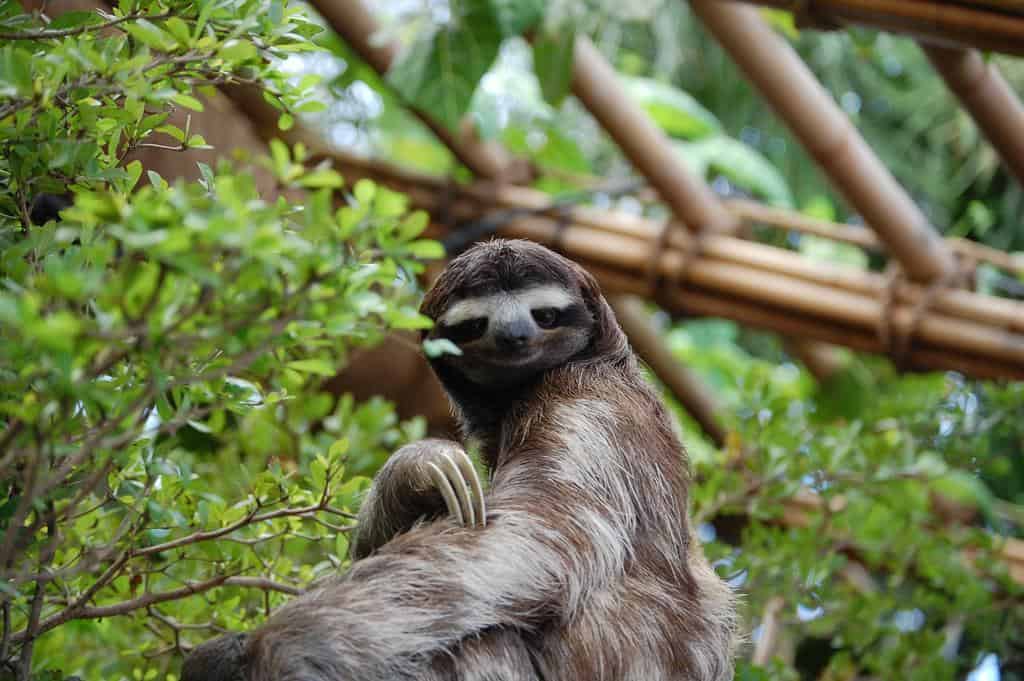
(479,506)
(444,486)
(456,479)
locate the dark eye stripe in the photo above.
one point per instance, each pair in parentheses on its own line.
(465,331)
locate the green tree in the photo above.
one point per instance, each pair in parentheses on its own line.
(162,346)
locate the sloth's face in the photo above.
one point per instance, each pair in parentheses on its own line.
(507,337)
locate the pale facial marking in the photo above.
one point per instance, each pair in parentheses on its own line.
(502,306)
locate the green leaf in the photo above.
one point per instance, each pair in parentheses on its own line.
(553,63)
(179,29)
(435,347)
(187,101)
(440,71)
(426,249)
(739,163)
(148,34)
(237,50)
(413,225)
(286,121)
(320,367)
(516,17)
(322,177)
(675,111)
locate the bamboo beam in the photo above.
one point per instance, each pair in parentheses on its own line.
(989,99)
(595,84)
(792,300)
(751,212)
(985,26)
(682,382)
(351,20)
(821,126)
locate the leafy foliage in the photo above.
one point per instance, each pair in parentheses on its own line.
(162,346)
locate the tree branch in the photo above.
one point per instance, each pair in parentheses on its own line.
(48,34)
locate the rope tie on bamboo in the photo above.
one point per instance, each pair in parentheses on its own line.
(895,333)
(661,287)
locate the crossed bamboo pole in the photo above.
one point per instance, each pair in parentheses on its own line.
(990,26)
(987,96)
(721,275)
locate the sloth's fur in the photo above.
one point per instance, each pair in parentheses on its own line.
(588,568)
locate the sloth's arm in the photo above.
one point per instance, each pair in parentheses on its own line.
(547,544)
(421,481)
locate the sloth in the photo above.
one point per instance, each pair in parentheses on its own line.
(579,563)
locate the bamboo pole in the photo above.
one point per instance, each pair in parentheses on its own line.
(989,99)
(683,383)
(817,121)
(1003,313)
(765,297)
(976,25)
(750,212)
(595,84)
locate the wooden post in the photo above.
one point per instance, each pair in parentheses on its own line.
(817,121)
(595,83)
(988,98)
(990,26)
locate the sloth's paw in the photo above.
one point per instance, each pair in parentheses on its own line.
(453,475)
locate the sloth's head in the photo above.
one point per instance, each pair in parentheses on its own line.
(516,309)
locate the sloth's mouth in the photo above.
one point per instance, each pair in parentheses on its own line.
(513,358)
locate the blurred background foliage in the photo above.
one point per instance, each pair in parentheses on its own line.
(915,471)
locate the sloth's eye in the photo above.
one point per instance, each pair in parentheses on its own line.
(465,331)
(546,317)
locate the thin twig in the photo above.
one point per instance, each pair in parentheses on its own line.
(24,672)
(48,34)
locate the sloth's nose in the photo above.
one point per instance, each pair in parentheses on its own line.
(514,335)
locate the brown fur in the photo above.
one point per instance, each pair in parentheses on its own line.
(587,569)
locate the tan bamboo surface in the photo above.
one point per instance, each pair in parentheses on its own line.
(827,133)
(749,282)
(823,361)
(596,84)
(695,206)
(681,381)
(980,25)
(988,97)
(637,235)
(752,212)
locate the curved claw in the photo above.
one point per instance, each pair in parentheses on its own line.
(477,506)
(440,481)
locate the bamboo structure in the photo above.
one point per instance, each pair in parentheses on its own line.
(644,143)
(821,126)
(989,99)
(724,276)
(990,26)
(595,84)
